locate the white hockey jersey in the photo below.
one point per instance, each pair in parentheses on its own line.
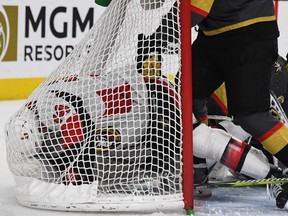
(81,123)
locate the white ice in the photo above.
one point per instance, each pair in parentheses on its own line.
(252,201)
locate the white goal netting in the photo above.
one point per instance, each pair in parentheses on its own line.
(103,131)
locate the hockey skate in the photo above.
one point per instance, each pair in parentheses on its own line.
(278,191)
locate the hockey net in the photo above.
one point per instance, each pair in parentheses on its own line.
(103,131)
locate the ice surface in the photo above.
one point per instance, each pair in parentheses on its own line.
(252,201)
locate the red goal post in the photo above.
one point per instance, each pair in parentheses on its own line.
(186,62)
(111,128)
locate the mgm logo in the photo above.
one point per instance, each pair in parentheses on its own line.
(8,33)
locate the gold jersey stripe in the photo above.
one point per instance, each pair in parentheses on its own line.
(277,141)
(204,5)
(239,25)
(221,94)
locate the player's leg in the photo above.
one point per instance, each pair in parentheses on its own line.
(202,89)
(218,145)
(249,99)
(207,77)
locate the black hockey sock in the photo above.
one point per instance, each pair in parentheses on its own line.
(282,156)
